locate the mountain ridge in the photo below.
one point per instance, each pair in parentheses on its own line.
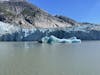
(28,15)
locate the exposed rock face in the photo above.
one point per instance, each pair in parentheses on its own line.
(27,15)
(68,20)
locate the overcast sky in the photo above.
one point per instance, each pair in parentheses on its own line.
(80,10)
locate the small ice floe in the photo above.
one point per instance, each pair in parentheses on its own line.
(75,40)
(53,39)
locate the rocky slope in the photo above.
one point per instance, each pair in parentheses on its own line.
(27,15)
(22,21)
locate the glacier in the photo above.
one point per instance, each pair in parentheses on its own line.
(13,32)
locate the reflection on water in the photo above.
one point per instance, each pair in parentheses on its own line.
(28,58)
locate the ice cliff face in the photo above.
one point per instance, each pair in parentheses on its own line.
(6,28)
(10,32)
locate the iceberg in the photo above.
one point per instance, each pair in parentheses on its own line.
(53,39)
(75,40)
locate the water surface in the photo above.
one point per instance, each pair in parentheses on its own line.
(28,58)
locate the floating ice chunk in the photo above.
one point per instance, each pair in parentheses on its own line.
(53,39)
(75,40)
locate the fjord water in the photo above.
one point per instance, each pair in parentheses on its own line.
(28,58)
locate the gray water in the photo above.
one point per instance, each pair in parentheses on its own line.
(28,58)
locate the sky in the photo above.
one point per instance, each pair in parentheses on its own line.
(79,10)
